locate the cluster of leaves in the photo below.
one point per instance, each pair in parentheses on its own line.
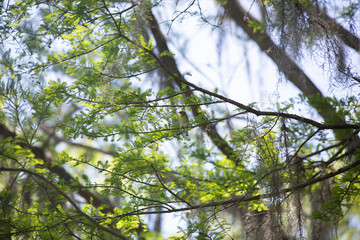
(117,133)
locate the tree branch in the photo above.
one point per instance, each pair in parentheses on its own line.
(323,20)
(50,164)
(241,199)
(170,66)
(286,65)
(68,199)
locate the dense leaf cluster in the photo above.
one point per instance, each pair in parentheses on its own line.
(91,146)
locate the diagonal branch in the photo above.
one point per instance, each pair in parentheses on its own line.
(286,65)
(245,198)
(68,199)
(169,64)
(61,172)
(324,20)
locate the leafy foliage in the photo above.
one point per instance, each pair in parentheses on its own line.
(91,143)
